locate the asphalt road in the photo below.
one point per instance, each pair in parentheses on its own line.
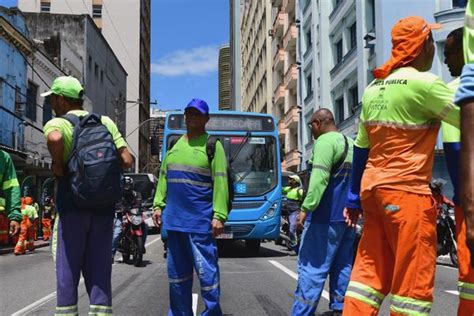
(260,285)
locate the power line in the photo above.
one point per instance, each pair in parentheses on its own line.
(67,3)
(19,92)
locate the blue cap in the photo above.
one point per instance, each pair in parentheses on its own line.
(199,105)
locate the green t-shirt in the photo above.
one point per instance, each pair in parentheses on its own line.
(327,151)
(10,187)
(66,130)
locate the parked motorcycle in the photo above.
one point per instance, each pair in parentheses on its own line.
(132,242)
(446,231)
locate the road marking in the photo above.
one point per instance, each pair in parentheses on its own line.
(42,301)
(152,242)
(195,303)
(453,292)
(292,274)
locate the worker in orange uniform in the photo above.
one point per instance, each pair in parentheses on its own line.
(454,59)
(27,232)
(392,167)
(4,223)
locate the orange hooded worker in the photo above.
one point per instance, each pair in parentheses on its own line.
(27,231)
(392,167)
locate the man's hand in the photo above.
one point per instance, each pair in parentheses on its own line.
(217,227)
(352,215)
(14,228)
(157,217)
(301,220)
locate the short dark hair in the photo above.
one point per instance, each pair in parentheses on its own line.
(457,35)
(75,102)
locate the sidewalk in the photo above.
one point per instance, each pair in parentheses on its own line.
(9,249)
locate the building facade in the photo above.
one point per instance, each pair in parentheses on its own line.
(157,127)
(285,107)
(76,45)
(125,24)
(224,78)
(256,52)
(236,7)
(335,69)
(15,49)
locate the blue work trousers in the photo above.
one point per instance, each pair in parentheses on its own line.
(293,224)
(84,243)
(325,249)
(185,251)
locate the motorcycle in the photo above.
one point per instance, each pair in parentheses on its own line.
(132,241)
(284,238)
(446,231)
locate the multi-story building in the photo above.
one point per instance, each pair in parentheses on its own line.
(157,127)
(15,49)
(256,52)
(77,46)
(285,76)
(236,7)
(224,78)
(125,25)
(335,69)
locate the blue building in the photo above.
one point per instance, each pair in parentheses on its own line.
(14,51)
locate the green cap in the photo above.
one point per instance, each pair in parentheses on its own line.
(66,86)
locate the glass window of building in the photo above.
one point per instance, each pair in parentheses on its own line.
(338,47)
(45,6)
(353,34)
(47,111)
(97,11)
(339,109)
(31,94)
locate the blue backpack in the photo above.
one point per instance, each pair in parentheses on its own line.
(93,166)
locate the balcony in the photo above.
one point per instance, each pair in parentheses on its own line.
(292,117)
(292,160)
(276,3)
(291,76)
(279,95)
(279,59)
(279,24)
(281,128)
(289,40)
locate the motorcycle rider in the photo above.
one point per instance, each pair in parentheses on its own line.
(294,197)
(130,199)
(436,187)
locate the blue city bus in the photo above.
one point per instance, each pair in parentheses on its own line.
(250,141)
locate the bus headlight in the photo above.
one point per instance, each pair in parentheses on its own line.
(272,210)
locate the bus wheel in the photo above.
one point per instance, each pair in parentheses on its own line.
(252,246)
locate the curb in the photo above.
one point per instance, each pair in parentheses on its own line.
(7,250)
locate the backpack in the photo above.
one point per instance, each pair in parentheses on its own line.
(93,166)
(306,174)
(210,151)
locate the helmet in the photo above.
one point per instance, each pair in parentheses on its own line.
(437,184)
(296,178)
(128,185)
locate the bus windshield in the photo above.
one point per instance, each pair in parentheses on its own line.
(255,166)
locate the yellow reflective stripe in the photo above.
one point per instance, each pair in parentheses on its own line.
(362,298)
(320,167)
(407,311)
(210,288)
(469,21)
(403,125)
(466,290)
(10,184)
(186,168)
(220,174)
(306,302)
(3,231)
(448,108)
(66,310)
(54,242)
(191,182)
(100,310)
(366,288)
(410,305)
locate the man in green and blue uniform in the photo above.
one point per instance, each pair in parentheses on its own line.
(192,194)
(326,242)
(10,221)
(82,241)
(294,196)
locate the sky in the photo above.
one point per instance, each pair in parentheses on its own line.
(185,39)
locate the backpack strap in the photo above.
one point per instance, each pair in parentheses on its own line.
(211,147)
(343,156)
(73,119)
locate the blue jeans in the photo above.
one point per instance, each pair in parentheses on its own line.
(326,249)
(293,221)
(117,234)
